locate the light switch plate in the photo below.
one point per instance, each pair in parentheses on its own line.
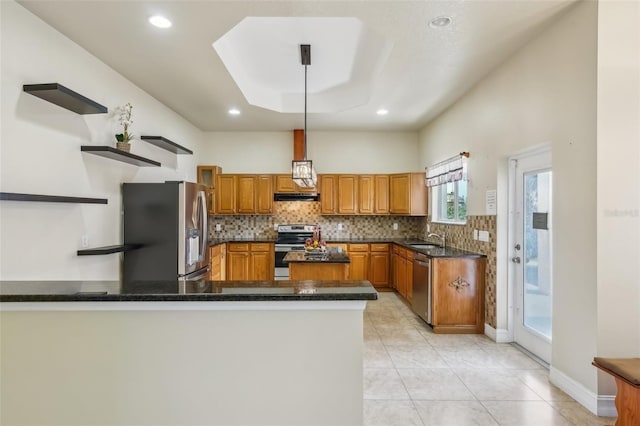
(483,236)
(395,226)
(475,234)
(428,227)
(339,227)
(218,227)
(275,226)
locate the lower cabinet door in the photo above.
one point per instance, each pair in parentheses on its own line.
(238,266)
(359,267)
(379,269)
(261,266)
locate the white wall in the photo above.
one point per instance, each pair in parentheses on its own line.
(618,168)
(331,152)
(544,94)
(40,153)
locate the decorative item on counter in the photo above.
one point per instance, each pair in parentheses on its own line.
(126,121)
(315,243)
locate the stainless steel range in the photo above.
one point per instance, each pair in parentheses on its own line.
(290,238)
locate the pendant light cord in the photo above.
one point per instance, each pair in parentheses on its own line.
(305,112)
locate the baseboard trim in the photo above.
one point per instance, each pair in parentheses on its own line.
(499,336)
(600,405)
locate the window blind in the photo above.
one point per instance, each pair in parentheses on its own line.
(449,170)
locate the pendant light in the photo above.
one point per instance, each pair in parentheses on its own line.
(302,171)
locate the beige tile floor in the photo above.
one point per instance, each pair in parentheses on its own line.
(415,377)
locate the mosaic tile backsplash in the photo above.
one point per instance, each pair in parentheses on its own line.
(308,213)
(458,236)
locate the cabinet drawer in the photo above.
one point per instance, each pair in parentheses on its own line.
(397,249)
(238,246)
(358,247)
(379,247)
(410,254)
(260,246)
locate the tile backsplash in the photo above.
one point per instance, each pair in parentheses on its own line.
(308,213)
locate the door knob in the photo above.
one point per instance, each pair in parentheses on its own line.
(515,259)
(517,246)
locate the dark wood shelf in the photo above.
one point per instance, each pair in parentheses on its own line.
(12,196)
(96,251)
(64,97)
(116,154)
(164,143)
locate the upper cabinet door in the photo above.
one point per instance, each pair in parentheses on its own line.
(381,194)
(347,194)
(328,193)
(284,184)
(400,194)
(225,198)
(366,194)
(264,194)
(246,193)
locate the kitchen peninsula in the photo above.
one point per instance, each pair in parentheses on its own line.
(200,352)
(330,265)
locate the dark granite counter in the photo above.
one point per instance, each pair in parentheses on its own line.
(326,257)
(216,241)
(407,243)
(177,291)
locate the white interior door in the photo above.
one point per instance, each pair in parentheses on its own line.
(531,266)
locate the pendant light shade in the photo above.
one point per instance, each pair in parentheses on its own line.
(302,171)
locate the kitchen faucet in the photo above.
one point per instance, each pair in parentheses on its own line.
(442,238)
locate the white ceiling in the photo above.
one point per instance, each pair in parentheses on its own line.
(425,70)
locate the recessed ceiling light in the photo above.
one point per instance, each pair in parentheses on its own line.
(382,111)
(440,21)
(234,111)
(160,21)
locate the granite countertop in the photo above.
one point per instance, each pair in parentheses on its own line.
(329,256)
(178,291)
(216,241)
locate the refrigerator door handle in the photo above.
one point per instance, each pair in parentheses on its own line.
(202,210)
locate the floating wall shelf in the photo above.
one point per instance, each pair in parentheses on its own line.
(66,98)
(108,249)
(165,143)
(116,154)
(11,196)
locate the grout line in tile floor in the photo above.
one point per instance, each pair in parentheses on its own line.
(415,377)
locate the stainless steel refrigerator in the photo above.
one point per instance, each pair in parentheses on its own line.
(169,222)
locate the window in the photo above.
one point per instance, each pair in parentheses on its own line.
(449,202)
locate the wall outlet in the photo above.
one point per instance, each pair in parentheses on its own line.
(483,236)
(395,226)
(218,227)
(339,227)
(475,234)
(275,226)
(428,227)
(84,241)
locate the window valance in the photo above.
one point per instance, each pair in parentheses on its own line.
(449,170)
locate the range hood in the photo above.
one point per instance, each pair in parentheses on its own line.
(296,197)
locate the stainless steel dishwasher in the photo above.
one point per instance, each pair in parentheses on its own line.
(421,303)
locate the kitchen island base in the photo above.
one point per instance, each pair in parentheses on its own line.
(186,363)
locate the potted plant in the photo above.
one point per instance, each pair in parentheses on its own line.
(126,121)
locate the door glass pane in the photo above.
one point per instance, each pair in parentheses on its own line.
(537,253)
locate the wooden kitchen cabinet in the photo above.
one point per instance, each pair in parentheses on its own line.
(284,184)
(381,194)
(379,265)
(408,194)
(409,295)
(359,255)
(250,261)
(207,177)
(347,194)
(218,257)
(264,194)
(244,194)
(458,295)
(225,194)
(238,262)
(328,185)
(366,194)
(246,186)
(400,270)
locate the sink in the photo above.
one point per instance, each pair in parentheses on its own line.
(424,246)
